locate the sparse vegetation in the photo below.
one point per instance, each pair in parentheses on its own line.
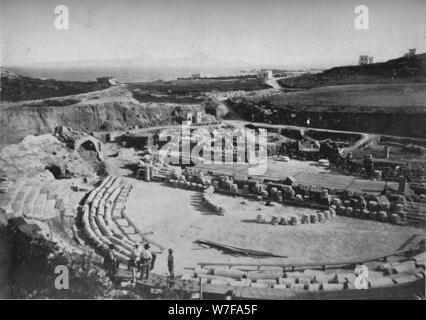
(410,97)
(401,70)
(18,88)
(191,87)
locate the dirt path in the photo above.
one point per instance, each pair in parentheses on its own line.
(273,82)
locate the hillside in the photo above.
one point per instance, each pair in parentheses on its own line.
(394,109)
(15,87)
(400,70)
(110,109)
(369,98)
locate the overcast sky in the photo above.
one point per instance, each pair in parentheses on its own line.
(296,33)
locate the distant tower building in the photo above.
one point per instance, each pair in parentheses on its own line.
(411,53)
(108,80)
(370,60)
(363,60)
(265,74)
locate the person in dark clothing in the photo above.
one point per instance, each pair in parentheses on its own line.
(171,264)
(110,262)
(154,256)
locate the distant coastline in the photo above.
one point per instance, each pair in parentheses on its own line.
(123,74)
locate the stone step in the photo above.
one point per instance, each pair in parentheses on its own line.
(60,191)
(7,198)
(5,185)
(49,209)
(39,204)
(27,211)
(72,202)
(13,191)
(404,279)
(19,201)
(68,206)
(420,259)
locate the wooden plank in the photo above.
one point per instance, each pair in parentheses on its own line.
(239,250)
(320,265)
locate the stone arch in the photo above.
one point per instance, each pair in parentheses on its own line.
(89,143)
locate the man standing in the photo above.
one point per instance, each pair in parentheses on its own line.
(133,264)
(171,264)
(110,262)
(146,258)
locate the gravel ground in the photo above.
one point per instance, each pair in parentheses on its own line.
(177,219)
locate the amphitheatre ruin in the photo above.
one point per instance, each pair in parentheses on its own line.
(84,171)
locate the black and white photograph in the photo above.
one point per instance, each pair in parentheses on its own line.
(187,150)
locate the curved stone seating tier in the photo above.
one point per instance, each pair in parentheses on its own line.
(102,226)
(381,215)
(110,223)
(96,239)
(207,202)
(120,202)
(384,211)
(384,275)
(94,192)
(114,195)
(182,183)
(103,204)
(353,207)
(319,217)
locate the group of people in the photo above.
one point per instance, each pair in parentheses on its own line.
(141,260)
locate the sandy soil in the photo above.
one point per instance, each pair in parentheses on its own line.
(177,219)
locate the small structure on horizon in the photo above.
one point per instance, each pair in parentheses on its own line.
(411,53)
(108,80)
(293,74)
(364,59)
(201,75)
(265,74)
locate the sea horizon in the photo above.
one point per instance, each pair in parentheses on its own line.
(123,74)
